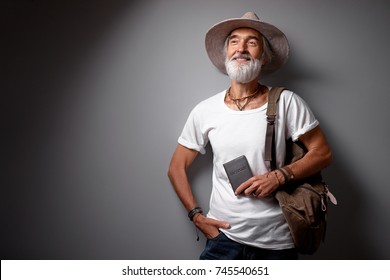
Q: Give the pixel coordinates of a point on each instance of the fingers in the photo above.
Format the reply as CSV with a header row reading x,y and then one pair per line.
x,y
244,186
217,223
221,224
249,187
211,222
210,227
260,193
257,186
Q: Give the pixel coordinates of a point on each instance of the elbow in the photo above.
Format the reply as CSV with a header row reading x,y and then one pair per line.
x,y
328,158
170,172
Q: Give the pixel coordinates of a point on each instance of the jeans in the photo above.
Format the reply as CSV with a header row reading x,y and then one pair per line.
x,y
223,248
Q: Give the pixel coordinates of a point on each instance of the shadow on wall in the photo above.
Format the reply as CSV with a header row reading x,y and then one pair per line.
x,y
347,234
345,237
45,45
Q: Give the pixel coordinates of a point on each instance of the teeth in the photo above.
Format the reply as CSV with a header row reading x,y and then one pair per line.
x,y
246,58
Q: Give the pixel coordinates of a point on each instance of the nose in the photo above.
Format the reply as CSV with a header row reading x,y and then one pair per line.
x,y
242,47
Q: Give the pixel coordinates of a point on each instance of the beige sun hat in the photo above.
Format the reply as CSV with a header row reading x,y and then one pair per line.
x,y
217,34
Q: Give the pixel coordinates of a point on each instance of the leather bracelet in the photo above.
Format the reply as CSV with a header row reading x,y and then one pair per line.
x,y
289,172
286,179
193,212
277,178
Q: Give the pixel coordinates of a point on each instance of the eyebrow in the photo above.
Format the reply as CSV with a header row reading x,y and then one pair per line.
x,y
245,37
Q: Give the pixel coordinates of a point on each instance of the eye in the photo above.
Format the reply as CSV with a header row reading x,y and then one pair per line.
x,y
233,42
252,43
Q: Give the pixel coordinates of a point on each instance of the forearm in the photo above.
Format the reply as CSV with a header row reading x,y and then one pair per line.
x,y
318,155
313,162
177,173
182,187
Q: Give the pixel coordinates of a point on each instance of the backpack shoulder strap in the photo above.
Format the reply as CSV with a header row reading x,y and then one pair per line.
x,y
273,98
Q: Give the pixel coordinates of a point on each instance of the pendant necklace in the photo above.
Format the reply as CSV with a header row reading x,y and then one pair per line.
x,y
248,98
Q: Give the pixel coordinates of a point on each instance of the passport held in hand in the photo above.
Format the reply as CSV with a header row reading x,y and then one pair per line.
x,y
238,171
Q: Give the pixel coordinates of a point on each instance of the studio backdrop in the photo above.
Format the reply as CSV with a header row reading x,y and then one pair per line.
x,y
96,93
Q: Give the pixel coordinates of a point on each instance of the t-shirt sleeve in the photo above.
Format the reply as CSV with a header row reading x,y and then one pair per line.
x,y
300,119
192,135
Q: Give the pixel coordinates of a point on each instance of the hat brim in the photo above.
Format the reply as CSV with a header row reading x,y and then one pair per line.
x,y
217,34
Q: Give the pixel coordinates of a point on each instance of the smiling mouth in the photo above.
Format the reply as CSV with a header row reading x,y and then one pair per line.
x,y
242,58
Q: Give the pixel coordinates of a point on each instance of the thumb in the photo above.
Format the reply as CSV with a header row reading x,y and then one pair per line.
x,y
221,224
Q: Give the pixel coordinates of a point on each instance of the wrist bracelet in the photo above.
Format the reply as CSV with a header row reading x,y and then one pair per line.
x,y
193,212
286,179
277,178
289,172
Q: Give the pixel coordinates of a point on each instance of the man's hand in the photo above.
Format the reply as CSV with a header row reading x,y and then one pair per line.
x,y
260,186
208,226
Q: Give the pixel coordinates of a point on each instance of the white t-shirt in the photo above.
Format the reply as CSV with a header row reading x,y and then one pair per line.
x,y
255,222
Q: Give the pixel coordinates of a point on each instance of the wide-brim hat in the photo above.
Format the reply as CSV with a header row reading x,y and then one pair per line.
x,y
217,34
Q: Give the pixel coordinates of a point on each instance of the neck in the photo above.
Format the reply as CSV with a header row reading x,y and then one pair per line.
x,y
239,90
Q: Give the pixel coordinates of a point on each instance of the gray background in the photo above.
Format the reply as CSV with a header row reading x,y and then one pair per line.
x,y
95,93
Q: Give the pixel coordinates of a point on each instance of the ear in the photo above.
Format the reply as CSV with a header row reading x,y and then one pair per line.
x,y
264,61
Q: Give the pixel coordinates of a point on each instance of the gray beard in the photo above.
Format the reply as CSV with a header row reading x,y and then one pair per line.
x,y
245,72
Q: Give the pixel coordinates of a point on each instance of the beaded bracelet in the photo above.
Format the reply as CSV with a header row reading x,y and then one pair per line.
x,y
277,178
193,212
